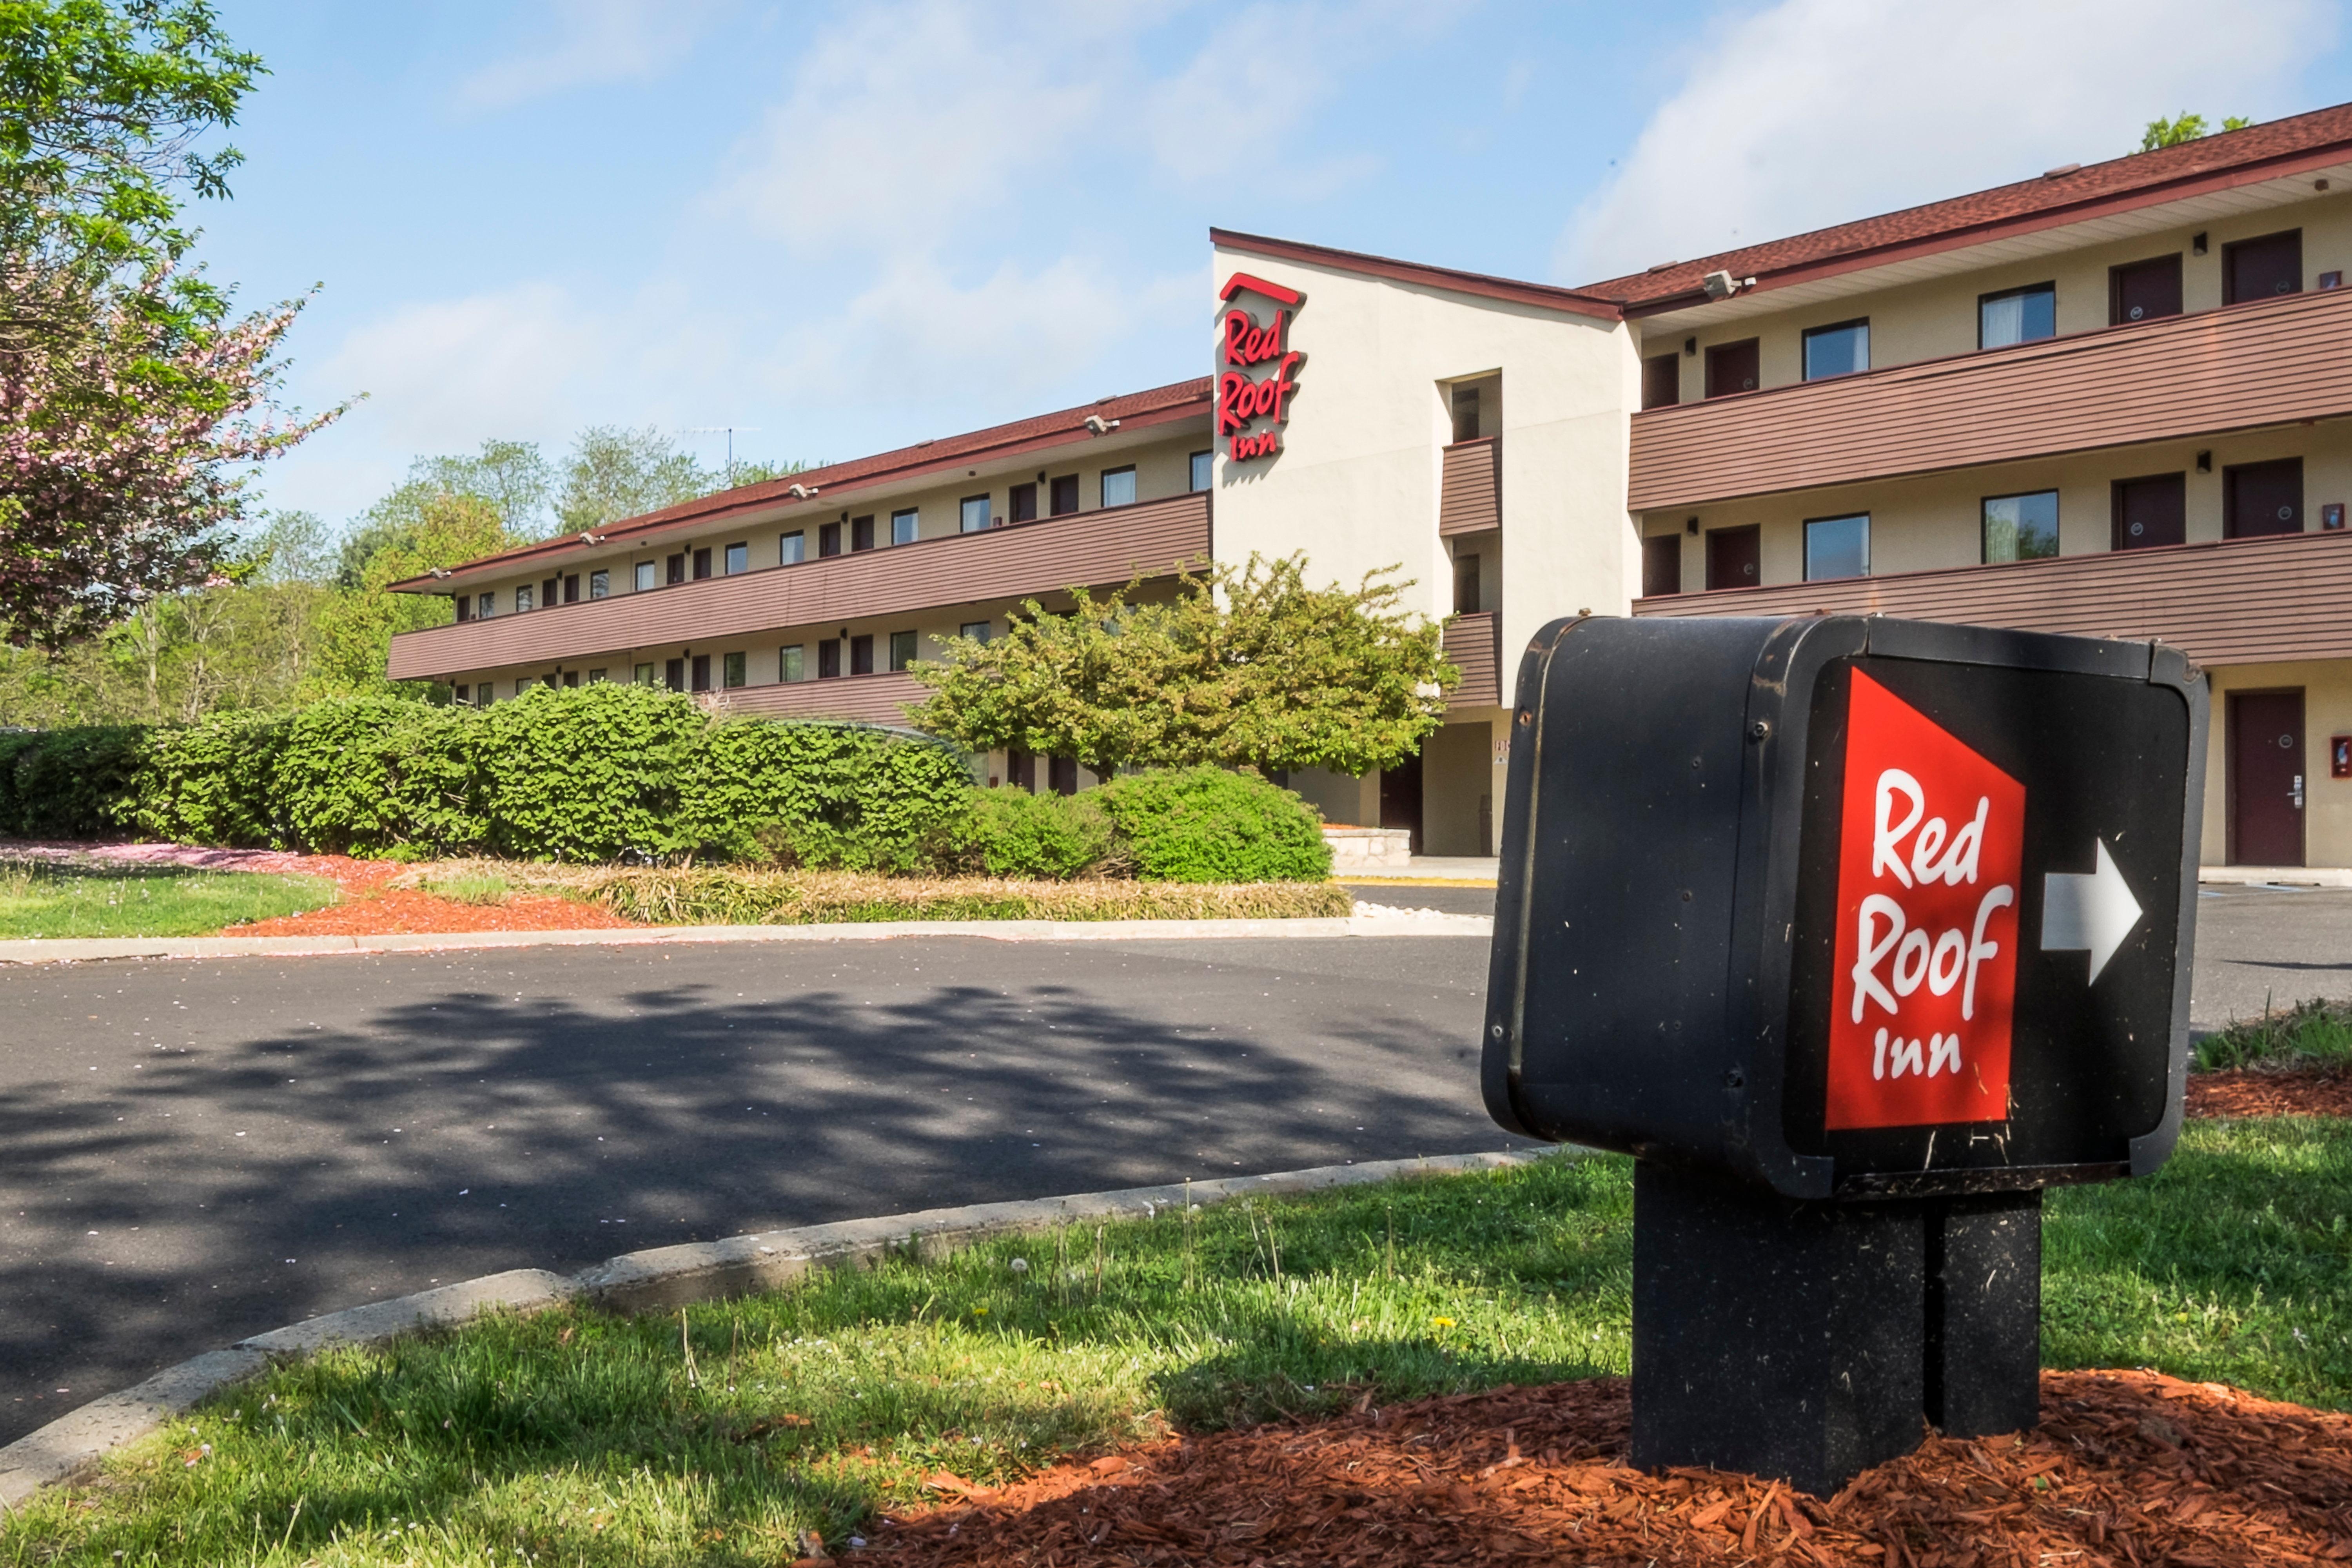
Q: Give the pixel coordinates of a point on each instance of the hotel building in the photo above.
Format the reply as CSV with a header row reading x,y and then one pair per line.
x,y
2113,399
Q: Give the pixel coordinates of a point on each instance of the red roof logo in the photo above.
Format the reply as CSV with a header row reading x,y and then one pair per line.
x,y
1929,846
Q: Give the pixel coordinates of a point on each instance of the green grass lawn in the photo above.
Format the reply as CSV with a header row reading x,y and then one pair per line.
x,y
578,1438
95,898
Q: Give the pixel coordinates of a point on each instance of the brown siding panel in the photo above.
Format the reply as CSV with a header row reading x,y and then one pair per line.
x,y
870,698
1088,548
1470,648
2271,363
2244,601
1471,497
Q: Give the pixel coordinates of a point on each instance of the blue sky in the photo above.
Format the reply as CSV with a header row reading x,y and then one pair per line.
x,y
852,226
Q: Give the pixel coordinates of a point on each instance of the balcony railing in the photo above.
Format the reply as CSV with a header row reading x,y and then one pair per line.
x,y
2243,600
1470,648
1086,548
872,699
1470,498
2273,362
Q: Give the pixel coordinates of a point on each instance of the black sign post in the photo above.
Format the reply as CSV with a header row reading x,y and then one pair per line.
x,y
1857,933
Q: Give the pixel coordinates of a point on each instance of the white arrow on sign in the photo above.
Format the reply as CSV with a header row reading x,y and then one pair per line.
x,y
2095,912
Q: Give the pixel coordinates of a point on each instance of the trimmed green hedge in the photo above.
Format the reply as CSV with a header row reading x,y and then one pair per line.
x,y
612,773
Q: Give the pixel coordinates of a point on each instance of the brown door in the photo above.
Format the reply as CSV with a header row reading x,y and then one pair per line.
x,y
1025,503
861,655
2261,498
1401,798
1662,564
1021,770
2150,511
1731,367
861,534
2144,289
2260,269
2267,778
1062,774
1062,496
1662,380
1735,557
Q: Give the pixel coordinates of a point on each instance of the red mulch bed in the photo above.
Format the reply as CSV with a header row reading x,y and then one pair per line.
x,y
372,907
2130,1469
2251,1091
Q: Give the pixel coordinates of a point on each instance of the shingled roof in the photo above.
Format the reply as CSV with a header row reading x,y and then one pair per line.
x,y
2230,158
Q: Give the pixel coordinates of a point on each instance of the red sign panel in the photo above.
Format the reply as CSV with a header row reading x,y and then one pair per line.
x,y
1929,844
1244,400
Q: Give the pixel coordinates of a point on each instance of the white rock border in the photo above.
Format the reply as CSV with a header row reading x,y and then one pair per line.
x,y
662,1278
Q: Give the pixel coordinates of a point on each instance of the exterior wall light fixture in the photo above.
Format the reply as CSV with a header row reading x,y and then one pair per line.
x,y
802,492
2197,243
1098,425
1691,526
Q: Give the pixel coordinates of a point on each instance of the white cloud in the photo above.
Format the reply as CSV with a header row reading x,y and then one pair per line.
x,y
439,373
594,41
1817,111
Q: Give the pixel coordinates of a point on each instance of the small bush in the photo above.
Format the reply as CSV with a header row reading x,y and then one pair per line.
x,y
214,781
368,775
2310,1033
1206,824
77,784
1012,833
594,772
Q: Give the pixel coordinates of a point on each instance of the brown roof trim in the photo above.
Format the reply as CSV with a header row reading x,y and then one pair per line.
x,y
1542,295
1166,404
2003,211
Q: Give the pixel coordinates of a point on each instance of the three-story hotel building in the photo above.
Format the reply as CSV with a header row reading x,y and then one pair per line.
x,y
2112,399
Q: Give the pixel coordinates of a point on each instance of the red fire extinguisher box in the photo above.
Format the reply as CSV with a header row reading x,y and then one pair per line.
x,y
1856,933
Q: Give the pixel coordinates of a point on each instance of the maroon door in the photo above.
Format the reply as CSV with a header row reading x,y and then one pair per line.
x,y
2263,497
1025,503
2150,511
1662,564
1064,494
2260,269
1735,557
2145,289
1662,380
1731,367
1401,798
2268,774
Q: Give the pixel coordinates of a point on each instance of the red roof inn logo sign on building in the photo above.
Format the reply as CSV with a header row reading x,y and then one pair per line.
x,y
1248,395
1927,936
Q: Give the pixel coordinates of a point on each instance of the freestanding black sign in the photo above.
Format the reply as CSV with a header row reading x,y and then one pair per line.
x,y
1857,933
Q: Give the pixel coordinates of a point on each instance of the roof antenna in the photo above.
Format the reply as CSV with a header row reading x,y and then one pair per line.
x,y
728,431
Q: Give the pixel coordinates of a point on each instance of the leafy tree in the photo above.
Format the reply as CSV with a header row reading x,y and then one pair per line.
x,y
1243,665
615,473
291,547
2186,127
510,475
358,624
756,472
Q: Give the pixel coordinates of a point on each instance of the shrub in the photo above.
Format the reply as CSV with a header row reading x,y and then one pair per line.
x,y
77,784
214,781
1012,833
593,773
366,775
822,794
1207,824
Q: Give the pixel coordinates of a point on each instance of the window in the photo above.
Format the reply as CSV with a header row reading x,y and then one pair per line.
x,y
1732,368
570,678
972,512
643,675
1465,414
2020,528
482,695
1837,547
861,534
828,659
702,672
792,662
1839,350
861,655
674,674
572,587
1465,585
600,585
465,695
905,526
645,575
1119,486
522,598
522,684
739,559
978,631
484,607
730,670
828,539
902,650
1662,380
2261,269
792,549
598,677
1662,564
1023,501
677,568
1204,471
2017,316
1064,494
702,563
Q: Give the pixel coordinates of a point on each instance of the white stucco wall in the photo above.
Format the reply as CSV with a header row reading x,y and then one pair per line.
x,y
1356,484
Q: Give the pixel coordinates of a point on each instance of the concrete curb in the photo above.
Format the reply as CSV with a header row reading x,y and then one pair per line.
x,y
663,1278
67,950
